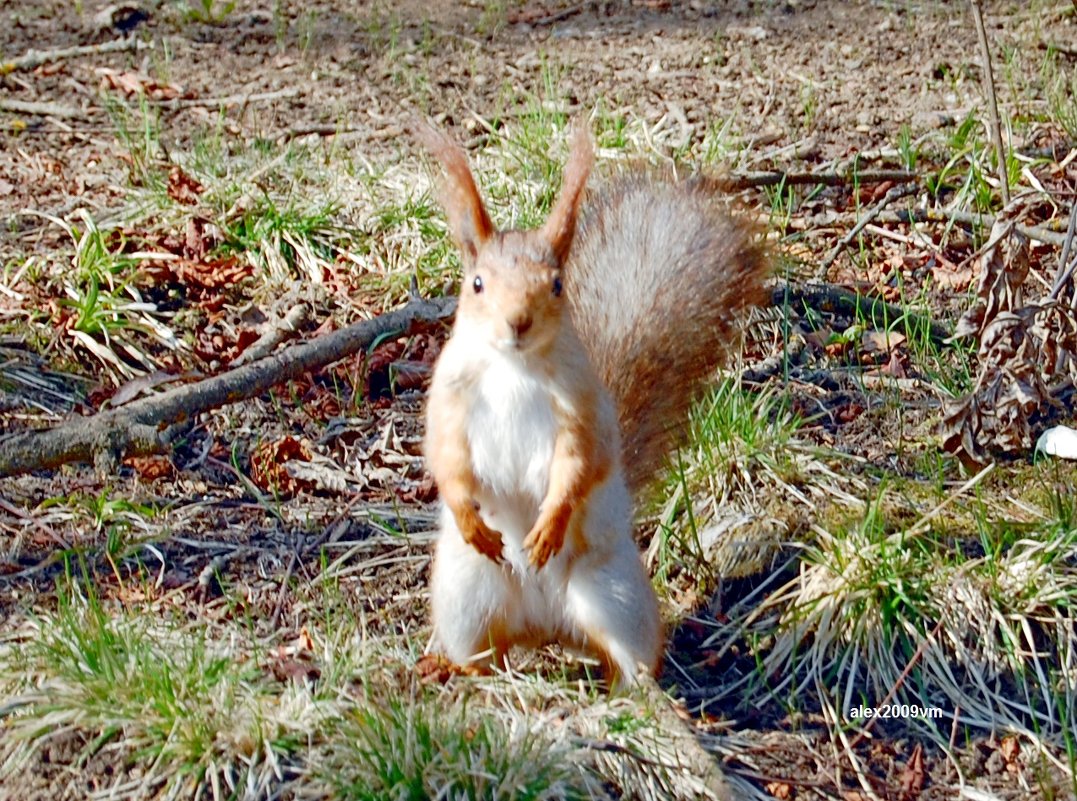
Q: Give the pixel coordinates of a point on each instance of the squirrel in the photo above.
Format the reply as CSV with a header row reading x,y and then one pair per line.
x,y
575,355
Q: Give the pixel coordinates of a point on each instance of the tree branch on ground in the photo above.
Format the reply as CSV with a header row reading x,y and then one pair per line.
x,y
35,58
992,102
899,191
146,426
749,180
1041,233
41,109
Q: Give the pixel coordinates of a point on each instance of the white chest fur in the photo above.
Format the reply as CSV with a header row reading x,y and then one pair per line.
x,y
511,431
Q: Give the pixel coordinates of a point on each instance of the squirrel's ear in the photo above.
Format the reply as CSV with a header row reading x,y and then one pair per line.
x,y
468,221
561,225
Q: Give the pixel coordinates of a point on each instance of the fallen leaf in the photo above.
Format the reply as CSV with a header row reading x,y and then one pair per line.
x,y
136,84
436,669
896,365
1010,747
151,468
267,466
780,790
952,278
912,776
881,342
182,188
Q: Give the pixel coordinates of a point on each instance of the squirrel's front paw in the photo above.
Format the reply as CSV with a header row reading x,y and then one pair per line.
x,y
481,537
547,537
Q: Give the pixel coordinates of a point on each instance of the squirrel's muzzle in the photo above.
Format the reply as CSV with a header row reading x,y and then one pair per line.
x,y
520,325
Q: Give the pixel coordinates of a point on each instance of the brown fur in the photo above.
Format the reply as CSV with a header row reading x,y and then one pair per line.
x,y
660,277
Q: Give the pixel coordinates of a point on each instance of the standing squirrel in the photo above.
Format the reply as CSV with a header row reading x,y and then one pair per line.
x,y
573,361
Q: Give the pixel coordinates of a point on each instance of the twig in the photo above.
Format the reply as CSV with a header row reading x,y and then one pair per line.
x,y
277,332
41,109
917,655
1065,269
748,180
835,300
923,524
901,190
1054,47
559,16
297,131
226,100
992,103
35,58
967,218
141,427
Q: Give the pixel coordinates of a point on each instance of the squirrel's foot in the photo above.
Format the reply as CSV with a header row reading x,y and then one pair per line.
x,y
437,669
547,536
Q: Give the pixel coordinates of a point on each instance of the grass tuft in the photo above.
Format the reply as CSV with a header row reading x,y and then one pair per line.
x,y
414,749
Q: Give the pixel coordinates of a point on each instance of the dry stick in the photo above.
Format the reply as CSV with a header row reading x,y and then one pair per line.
x,y
41,109
901,190
992,102
748,180
901,679
1065,269
968,218
225,100
276,333
141,427
559,16
35,58
915,531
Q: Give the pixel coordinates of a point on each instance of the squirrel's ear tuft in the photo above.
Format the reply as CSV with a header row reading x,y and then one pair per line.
x,y
561,225
469,223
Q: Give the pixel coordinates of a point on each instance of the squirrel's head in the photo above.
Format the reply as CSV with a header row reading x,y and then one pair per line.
x,y
511,292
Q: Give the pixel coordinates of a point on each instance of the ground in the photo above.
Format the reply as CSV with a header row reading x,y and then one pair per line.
x,y
209,623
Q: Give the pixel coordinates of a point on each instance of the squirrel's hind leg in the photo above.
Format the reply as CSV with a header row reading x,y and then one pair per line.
x,y
469,598
612,603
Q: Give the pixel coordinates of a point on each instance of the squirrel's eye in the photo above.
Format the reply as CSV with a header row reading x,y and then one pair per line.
x,y
477,284
557,287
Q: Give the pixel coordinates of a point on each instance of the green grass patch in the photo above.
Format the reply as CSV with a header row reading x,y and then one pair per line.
x,y
975,620
416,749
180,704
719,517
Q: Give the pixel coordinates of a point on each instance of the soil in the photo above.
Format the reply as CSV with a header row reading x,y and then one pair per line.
x,y
799,83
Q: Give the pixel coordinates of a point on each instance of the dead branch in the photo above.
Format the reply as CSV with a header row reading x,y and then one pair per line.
x,y
906,216
992,102
35,58
901,190
276,332
226,100
749,180
831,299
297,131
143,426
1065,267
41,109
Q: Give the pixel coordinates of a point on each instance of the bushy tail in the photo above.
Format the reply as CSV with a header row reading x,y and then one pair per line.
x,y
660,276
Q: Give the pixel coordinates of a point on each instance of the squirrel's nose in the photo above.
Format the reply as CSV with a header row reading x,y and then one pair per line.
x,y
521,325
